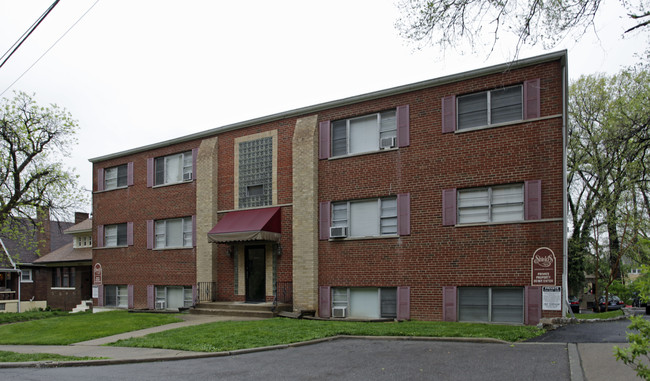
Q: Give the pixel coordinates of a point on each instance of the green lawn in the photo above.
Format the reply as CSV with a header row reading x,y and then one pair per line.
x,y
29,315
73,328
224,336
599,315
23,357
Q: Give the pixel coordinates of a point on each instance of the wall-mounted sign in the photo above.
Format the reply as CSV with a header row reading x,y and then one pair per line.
x,y
543,267
552,298
97,274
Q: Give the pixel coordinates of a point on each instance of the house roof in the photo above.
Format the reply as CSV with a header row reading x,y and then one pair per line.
x,y
66,253
85,226
560,55
23,253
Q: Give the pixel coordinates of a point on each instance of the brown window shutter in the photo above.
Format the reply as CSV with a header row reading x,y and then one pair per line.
x,y
324,301
403,139
532,99
449,114
449,207
449,303
324,140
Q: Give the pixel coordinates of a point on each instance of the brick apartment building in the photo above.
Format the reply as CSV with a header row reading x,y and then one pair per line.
x,y
438,200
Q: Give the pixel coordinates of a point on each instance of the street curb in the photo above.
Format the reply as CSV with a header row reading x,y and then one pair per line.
x,y
200,355
575,364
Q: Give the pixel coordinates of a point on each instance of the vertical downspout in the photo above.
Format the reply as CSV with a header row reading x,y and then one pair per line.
x,y
20,281
565,249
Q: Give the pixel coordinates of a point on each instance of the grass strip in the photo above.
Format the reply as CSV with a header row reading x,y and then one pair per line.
x,y
73,328
6,356
599,315
232,335
9,317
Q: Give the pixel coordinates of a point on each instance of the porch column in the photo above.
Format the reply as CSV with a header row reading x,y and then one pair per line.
x,y
206,210
305,214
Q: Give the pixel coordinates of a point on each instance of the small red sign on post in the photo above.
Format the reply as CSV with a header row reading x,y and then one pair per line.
x,y
97,274
543,267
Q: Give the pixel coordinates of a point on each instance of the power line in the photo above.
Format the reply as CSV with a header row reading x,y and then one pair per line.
x,y
50,48
29,31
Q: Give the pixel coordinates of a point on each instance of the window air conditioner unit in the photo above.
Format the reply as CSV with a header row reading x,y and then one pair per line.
x,y
187,176
338,231
389,142
339,312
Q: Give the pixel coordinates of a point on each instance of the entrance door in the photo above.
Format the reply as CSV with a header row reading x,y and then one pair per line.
x,y
255,274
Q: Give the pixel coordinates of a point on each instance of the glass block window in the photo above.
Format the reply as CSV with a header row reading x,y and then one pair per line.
x,y
256,173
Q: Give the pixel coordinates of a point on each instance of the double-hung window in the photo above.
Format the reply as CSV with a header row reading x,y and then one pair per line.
x,y
366,218
491,204
26,276
491,304
63,277
115,235
376,217
116,296
493,107
115,177
175,232
490,107
173,168
364,134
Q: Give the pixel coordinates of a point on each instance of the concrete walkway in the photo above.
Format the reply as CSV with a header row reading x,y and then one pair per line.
x,y
95,348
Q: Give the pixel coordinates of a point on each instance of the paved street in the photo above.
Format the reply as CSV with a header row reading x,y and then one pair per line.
x,y
345,359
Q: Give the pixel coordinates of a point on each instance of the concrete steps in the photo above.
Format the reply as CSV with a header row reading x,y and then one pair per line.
x,y
239,309
85,305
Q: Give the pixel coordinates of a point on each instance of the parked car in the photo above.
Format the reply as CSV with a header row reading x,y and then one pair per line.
x,y
636,300
614,303
575,304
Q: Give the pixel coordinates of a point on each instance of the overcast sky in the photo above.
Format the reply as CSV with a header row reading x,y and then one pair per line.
x,y
138,72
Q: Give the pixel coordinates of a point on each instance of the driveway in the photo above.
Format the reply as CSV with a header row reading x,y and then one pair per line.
x,y
343,359
595,343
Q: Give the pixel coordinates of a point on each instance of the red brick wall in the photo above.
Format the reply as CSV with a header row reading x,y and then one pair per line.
x,y
136,264
226,176
433,255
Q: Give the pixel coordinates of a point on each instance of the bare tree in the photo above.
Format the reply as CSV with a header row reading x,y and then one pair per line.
x,y
447,23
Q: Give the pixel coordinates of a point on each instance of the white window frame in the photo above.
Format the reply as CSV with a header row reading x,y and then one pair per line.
x,y
342,297
491,203
385,127
121,296
489,109
161,296
112,236
161,233
112,177
341,213
185,168
82,241
29,279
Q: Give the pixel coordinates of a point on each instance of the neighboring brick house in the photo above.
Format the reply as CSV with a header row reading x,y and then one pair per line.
x,y
64,275
439,200
24,252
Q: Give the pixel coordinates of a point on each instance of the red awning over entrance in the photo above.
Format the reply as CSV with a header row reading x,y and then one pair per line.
x,y
248,225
